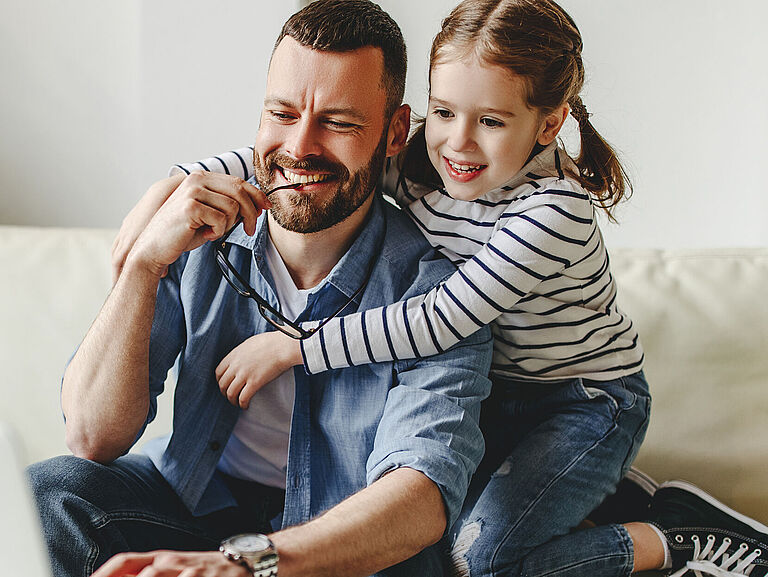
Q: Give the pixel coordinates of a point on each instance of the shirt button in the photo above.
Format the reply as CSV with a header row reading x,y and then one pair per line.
x,y
214,446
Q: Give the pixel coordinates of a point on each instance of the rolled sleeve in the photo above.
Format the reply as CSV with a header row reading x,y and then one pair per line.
x,y
430,421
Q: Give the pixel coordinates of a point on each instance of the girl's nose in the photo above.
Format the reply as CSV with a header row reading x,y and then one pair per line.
x,y
461,137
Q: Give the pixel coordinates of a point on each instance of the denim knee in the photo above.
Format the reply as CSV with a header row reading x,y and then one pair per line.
x,y
54,478
599,552
63,488
472,550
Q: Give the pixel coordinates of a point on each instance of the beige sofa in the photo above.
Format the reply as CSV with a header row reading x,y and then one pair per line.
x,y
701,315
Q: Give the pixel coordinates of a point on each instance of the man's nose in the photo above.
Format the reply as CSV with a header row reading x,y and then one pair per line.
x,y
461,137
304,140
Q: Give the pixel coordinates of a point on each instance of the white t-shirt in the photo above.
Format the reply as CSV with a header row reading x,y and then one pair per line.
x,y
258,448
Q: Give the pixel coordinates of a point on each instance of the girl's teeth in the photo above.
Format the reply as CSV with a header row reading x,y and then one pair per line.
x,y
465,167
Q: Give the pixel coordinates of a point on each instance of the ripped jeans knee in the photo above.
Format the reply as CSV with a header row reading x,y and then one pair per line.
x,y
467,556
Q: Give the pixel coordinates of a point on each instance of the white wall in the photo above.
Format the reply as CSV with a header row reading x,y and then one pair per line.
x,y
198,55
678,87
69,108
99,98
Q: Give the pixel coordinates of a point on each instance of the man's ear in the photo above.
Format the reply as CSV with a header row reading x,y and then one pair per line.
x,y
551,124
399,127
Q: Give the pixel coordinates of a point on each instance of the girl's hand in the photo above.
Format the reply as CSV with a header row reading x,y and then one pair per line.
x,y
254,363
138,218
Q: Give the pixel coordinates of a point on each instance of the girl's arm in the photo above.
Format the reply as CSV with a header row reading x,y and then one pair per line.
x,y
532,246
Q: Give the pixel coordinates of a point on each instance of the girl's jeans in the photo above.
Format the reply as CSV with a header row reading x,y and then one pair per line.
x,y
554,452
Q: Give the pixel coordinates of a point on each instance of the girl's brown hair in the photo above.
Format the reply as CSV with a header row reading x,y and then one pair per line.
x,y
539,41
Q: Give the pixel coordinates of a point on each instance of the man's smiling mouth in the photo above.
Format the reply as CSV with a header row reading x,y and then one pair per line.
x,y
295,178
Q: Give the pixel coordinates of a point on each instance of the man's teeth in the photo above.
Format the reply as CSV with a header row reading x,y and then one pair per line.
x,y
294,178
465,167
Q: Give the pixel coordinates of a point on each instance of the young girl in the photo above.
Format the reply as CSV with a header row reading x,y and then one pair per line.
x,y
489,186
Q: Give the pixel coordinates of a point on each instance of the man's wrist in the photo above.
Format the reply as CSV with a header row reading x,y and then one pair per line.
x,y
254,551
137,265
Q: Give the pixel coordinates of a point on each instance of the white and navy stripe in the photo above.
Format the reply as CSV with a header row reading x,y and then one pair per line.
x,y
235,162
532,263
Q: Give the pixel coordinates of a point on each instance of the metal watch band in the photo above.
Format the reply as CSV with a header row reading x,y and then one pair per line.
x,y
265,568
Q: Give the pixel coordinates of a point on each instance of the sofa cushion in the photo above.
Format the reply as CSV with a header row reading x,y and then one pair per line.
x,y
54,283
703,322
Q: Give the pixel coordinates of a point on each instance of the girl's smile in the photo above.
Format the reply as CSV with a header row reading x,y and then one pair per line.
x,y
479,129
463,171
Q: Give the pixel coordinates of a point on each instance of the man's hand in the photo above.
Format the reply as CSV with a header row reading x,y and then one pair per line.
x,y
171,564
255,362
202,208
137,219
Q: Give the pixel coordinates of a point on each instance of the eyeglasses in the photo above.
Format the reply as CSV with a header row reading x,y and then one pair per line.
x,y
270,313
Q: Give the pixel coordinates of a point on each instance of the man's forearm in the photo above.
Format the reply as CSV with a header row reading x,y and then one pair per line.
x,y
105,393
390,521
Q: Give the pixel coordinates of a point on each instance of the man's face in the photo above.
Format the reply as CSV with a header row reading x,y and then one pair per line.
x,y
322,124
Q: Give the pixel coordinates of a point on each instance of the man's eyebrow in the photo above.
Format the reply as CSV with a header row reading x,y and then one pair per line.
x,y
275,101
346,111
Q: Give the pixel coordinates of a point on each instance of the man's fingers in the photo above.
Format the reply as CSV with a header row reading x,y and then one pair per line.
x,y
170,564
195,203
201,213
249,198
125,564
257,195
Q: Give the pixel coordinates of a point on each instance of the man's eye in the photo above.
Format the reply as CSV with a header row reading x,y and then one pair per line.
x,y
282,116
491,122
337,125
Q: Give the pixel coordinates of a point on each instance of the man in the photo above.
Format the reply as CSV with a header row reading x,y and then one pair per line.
x,y
369,465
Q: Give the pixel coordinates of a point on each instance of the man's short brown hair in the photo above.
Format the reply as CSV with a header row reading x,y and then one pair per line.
x,y
345,25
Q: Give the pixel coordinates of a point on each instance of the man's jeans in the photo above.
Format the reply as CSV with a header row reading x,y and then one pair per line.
x,y
90,512
554,452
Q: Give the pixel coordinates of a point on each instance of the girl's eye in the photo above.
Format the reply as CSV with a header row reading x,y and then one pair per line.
x,y
491,122
442,113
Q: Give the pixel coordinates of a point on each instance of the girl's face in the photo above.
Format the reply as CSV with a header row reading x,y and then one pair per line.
x,y
479,129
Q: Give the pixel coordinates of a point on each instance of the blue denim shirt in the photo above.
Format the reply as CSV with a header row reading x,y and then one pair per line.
x,y
349,426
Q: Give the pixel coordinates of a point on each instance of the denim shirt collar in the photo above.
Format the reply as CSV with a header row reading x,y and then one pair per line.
x,y
352,269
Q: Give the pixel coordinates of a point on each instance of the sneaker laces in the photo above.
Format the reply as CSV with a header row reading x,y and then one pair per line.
x,y
705,560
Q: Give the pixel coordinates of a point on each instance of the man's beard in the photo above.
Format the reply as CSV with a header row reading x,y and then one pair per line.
x,y
307,212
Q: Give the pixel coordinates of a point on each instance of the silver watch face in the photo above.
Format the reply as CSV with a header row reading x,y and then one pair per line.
x,y
249,543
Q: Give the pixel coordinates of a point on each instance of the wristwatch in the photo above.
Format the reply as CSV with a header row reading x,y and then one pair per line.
x,y
253,551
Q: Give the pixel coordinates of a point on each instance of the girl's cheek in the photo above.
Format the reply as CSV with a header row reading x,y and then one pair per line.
x,y
432,140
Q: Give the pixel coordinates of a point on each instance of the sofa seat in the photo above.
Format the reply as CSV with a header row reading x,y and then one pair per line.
x,y
700,313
